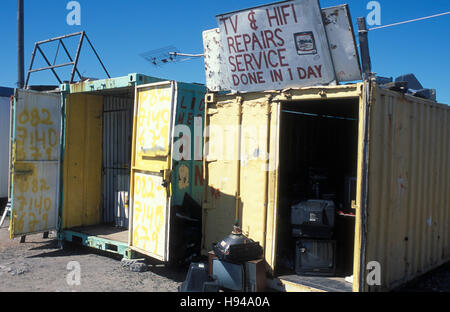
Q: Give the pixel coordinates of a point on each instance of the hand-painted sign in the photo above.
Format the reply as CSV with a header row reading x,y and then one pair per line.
x,y
341,42
276,46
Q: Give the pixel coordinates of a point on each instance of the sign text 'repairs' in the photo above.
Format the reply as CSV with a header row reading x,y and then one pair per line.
x,y
276,46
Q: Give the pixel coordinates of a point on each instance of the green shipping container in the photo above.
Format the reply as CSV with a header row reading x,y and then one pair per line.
x,y
105,162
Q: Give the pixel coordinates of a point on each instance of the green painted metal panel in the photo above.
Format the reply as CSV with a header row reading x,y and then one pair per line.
x,y
187,168
97,242
130,80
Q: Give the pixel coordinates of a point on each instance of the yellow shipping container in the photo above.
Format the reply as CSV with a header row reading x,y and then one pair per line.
x,y
395,147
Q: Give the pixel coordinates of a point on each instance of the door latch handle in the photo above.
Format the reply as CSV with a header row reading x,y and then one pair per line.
x,y
166,177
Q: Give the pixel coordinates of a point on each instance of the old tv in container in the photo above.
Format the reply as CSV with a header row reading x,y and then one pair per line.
x,y
313,218
315,257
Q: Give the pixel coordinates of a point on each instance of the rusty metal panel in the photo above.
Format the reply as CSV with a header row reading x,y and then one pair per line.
x,y
341,40
117,83
216,78
36,161
409,180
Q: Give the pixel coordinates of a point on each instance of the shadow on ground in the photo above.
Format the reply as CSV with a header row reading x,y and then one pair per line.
x,y
437,280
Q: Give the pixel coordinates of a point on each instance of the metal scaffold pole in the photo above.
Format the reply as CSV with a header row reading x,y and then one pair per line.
x,y
20,45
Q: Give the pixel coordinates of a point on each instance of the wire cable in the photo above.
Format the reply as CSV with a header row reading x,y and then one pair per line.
x,y
186,54
410,21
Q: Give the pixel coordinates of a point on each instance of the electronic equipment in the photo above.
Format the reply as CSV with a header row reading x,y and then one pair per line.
x,y
315,257
229,275
313,218
237,248
196,277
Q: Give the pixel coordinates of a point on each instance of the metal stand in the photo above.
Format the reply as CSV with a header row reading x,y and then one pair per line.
x,y
7,209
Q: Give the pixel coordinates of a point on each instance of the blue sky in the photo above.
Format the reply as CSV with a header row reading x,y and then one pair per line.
x,y
122,30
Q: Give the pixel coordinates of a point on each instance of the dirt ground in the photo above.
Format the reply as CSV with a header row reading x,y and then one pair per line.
x,y
38,265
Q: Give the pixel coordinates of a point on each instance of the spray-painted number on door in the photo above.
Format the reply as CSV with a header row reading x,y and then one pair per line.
x,y
153,122
35,162
149,213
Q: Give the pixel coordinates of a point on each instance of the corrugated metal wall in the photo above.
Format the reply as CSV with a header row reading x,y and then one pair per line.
x,y
117,133
221,176
409,181
228,178
82,160
4,145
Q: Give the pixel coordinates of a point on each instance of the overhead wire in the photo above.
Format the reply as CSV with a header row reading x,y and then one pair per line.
x,y
410,21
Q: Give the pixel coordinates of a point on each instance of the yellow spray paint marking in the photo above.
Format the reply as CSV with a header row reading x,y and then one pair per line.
x,y
22,201
34,178
153,121
32,222
36,135
148,218
19,222
44,186
33,199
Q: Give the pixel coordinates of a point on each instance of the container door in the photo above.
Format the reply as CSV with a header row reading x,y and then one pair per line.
x,y
35,162
151,169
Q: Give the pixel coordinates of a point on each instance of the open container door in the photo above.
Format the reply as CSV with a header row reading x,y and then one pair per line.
x,y
150,169
35,162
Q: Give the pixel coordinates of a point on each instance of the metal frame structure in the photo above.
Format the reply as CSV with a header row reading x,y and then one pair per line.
x,y
97,242
73,62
